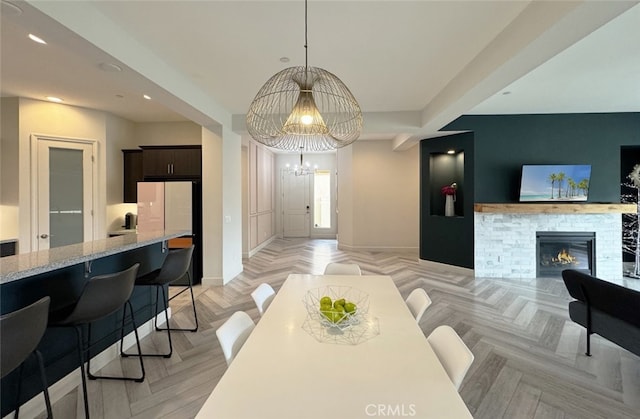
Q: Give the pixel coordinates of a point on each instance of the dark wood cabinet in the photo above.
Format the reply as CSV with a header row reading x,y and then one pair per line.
x,y
132,160
172,162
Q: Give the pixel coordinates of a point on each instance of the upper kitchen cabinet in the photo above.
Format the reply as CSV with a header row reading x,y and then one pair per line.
x,y
172,162
132,162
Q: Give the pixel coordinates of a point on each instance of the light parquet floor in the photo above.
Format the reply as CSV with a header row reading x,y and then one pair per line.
x,y
529,357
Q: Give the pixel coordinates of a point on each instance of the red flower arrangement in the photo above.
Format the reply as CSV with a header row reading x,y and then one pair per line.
x,y
449,189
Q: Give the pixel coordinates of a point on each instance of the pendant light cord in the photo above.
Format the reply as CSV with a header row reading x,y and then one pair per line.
x,y
306,51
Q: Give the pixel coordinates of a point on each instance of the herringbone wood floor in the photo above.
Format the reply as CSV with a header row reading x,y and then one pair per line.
x,y
529,360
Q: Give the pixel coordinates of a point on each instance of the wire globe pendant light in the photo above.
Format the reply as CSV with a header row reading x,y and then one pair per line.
x,y
304,108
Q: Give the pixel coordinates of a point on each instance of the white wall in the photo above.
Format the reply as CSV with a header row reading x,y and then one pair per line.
x,y
58,120
221,206
166,133
260,197
9,169
324,161
345,197
245,201
231,205
211,208
379,197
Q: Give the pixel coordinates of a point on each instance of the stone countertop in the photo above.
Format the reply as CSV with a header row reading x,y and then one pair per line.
x,y
123,231
20,266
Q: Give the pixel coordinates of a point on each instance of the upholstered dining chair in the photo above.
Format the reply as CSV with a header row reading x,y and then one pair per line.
x,y
454,355
335,268
418,302
233,333
262,296
20,334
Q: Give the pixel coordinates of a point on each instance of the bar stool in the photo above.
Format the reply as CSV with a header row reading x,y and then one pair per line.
x,y
102,296
20,334
174,267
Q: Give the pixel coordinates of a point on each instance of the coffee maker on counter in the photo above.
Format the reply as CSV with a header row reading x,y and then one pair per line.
x,y
130,221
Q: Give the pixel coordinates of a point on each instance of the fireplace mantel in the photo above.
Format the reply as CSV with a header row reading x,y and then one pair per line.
x,y
556,208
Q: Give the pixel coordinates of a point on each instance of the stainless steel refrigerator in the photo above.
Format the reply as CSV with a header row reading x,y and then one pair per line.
x,y
174,206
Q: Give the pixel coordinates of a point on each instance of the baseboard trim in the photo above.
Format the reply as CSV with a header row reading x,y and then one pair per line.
x,y
438,265
259,247
35,407
393,249
212,281
327,236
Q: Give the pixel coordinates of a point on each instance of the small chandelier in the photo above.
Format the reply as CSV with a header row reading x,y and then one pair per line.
x,y
303,169
304,108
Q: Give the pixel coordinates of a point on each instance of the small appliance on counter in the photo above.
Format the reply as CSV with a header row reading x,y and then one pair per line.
x,y
130,221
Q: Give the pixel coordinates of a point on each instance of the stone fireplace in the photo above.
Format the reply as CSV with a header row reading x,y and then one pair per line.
x,y
505,236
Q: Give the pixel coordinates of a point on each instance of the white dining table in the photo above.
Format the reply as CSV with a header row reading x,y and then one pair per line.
x,y
283,371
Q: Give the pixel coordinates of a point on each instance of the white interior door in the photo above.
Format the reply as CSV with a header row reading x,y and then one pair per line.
x,y
64,193
296,205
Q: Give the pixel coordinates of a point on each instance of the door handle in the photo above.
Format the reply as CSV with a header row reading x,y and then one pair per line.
x,y
44,236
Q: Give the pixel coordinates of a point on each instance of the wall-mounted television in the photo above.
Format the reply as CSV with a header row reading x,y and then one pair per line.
x,y
552,183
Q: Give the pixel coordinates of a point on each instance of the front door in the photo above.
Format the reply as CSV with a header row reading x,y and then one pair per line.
x,y
64,192
296,205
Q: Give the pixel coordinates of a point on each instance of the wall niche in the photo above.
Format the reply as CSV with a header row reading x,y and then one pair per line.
x,y
445,169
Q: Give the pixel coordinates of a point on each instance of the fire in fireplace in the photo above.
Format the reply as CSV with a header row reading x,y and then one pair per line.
x,y
558,250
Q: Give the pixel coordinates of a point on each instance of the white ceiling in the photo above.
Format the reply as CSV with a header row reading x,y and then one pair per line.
x,y
414,66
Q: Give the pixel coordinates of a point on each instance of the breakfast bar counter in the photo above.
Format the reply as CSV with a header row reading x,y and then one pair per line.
x,y
61,274
28,264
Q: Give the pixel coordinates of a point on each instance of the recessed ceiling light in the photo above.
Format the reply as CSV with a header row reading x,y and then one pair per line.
x,y
54,99
284,59
451,152
110,67
36,39
146,97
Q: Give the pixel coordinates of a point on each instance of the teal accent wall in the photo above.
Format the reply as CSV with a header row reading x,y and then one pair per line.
x,y
447,239
496,147
503,143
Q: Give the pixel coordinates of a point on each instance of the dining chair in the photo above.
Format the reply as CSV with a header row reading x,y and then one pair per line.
x,y
335,268
262,296
454,355
233,333
418,302
20,334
